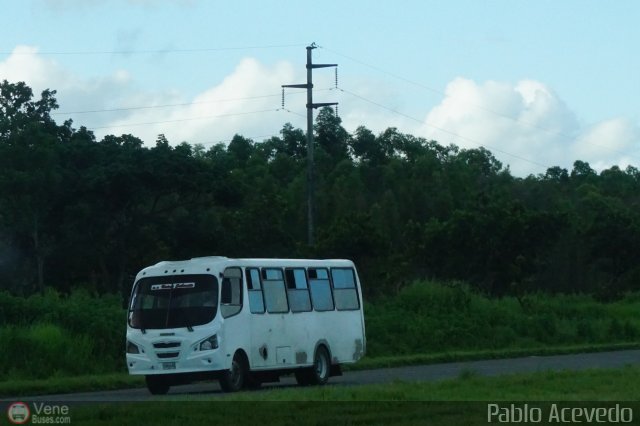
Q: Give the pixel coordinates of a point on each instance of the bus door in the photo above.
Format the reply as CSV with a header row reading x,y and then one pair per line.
x,y
235,322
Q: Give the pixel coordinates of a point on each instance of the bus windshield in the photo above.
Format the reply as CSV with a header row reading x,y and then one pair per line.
x,y
173,301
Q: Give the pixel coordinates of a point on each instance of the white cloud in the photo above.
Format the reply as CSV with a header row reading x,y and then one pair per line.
x,y
371,103
526,120
245,102
24,64
611,142
74,93
527,126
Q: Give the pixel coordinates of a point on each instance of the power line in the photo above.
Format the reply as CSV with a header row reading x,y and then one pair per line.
x,y
183,104
181,119
211,49
165,105
153,51
438,92
292,112
477,106
475,142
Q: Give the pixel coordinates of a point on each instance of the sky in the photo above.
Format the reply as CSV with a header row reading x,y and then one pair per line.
x,y
538,83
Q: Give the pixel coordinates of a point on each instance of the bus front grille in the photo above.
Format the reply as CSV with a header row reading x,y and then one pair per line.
x,y
166,345
167,354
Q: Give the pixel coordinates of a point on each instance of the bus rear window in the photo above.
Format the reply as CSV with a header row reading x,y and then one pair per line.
x,y
344,289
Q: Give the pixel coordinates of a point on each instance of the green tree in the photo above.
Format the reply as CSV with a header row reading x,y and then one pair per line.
x,y
31,178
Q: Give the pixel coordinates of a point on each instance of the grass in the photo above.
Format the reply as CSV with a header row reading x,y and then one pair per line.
x,y
621,384
52,335
368,363
59,385
459,401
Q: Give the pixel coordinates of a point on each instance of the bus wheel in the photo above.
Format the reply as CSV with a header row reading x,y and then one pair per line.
x,y
234,379
157,385
319,373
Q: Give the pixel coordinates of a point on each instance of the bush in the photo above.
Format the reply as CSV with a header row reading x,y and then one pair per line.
x,y
50,335
429,317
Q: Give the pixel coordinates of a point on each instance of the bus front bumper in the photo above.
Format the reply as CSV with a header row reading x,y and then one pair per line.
x,y
142,364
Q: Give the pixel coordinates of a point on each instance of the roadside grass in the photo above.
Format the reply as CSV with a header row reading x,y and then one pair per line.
x,y
88,383
620,384
463,400
61,385
368,363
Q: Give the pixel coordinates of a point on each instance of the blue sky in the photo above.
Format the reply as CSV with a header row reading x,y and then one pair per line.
x,y
540,83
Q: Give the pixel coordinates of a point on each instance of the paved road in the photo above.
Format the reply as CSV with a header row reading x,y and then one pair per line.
x,y
409,374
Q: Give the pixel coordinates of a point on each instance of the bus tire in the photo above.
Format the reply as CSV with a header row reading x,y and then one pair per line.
x,y
319,373
157,385
235,378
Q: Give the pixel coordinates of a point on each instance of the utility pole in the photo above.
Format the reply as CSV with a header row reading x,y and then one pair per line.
x,y
310,166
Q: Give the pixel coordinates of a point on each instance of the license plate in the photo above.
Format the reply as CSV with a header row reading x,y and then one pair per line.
x,y
168,365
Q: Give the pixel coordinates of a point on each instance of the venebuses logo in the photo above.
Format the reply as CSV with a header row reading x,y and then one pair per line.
x,y
18,413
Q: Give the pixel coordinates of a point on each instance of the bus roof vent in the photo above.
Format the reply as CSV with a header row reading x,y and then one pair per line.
x,y
209,258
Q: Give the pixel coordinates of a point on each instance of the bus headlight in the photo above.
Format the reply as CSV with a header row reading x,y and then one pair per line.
x,y
132,348
209,343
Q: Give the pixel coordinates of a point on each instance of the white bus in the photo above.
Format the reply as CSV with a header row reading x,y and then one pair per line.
x,y
244,321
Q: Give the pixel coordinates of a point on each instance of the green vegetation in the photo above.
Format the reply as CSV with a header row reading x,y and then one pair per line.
x,y
112,381
59,385
52,336
426,318
548,260
589,385
48,336
78,212
446,402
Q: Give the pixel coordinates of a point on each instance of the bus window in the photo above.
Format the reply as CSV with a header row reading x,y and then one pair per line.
x,y
275,295
320,289
231,292
344,289
297,290
256,299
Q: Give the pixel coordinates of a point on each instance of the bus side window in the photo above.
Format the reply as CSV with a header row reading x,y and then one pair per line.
x,y
275,295
231,292
344,289
256,299
297,289
320,289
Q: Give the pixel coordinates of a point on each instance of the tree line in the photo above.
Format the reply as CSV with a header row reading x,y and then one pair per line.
x,y
81,212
